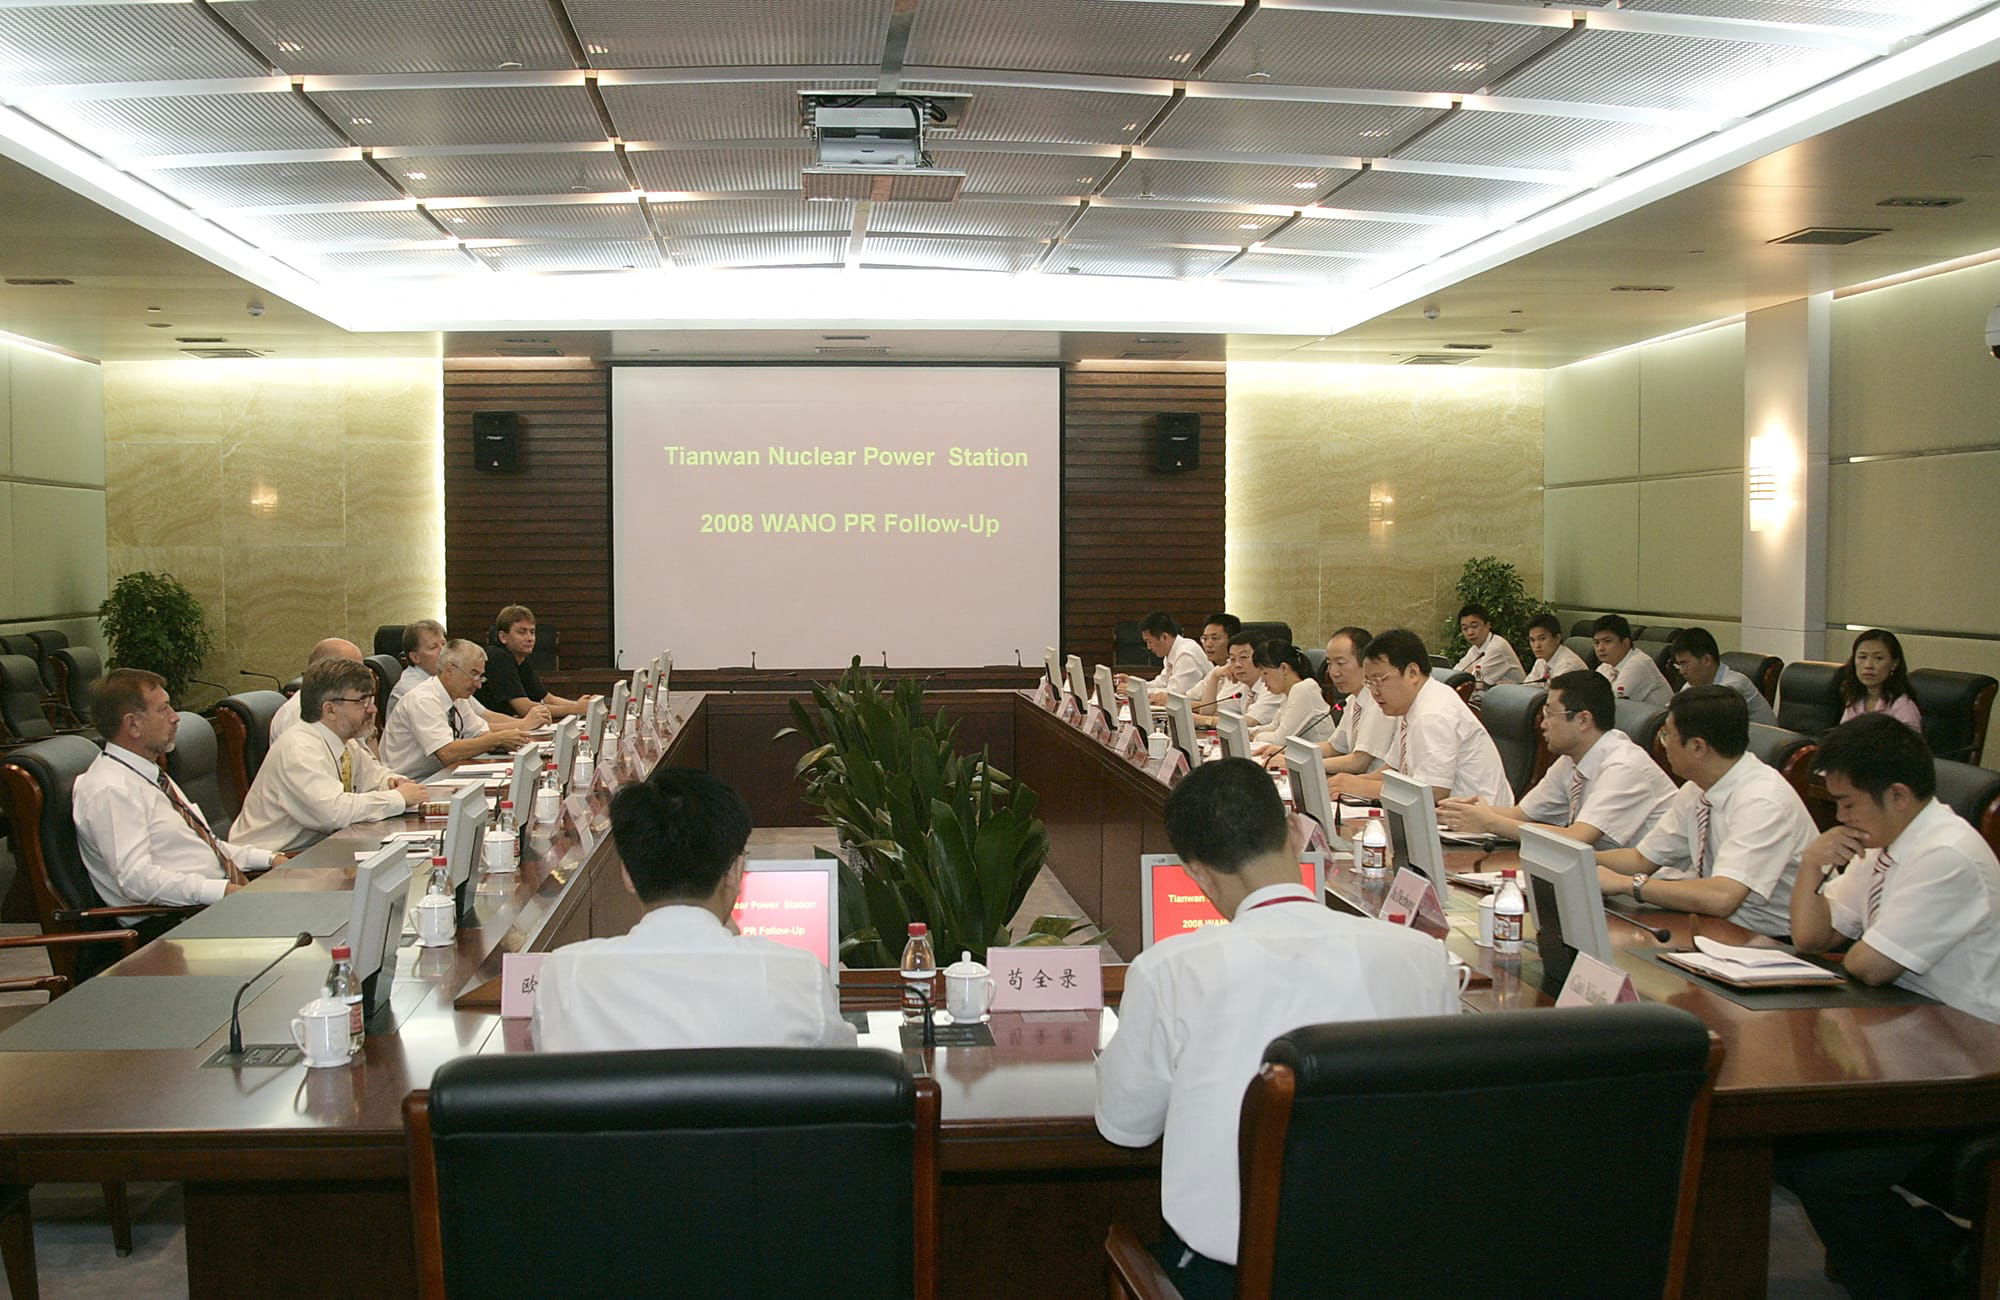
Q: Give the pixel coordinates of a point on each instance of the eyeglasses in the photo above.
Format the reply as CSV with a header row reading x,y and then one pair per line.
x,y
1375,683
350,699
1551,711
477,677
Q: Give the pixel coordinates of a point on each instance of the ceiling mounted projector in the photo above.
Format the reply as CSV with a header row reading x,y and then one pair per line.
x,y
870,148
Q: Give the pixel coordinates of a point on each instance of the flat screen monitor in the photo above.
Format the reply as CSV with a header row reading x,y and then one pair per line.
x,y
1107,693
1565,901
1170,903
1234,729
1142,705
1052,664
794,902
642,681
593,724
1180,727
464,827
375,921
528,760
663,672
1413,829
1079,686
621,691
566,748
1308,777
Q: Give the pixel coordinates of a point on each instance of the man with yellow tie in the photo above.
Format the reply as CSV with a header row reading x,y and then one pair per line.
x,y
318,778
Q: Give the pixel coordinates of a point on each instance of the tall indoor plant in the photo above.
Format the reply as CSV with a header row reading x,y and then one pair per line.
x,y
151,620
1496,584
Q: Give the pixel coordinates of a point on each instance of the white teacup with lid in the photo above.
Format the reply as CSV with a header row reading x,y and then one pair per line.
x,y
968,990
320,1031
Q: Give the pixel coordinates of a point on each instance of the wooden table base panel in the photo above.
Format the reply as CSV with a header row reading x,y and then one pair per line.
x,y
1730,1255
301,1240
1003,1236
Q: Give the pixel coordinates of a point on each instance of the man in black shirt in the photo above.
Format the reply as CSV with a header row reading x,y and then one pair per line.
x,y
512,685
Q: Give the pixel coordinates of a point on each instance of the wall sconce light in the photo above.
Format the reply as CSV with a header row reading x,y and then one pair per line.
x,y
264,500
1761,477
1381,506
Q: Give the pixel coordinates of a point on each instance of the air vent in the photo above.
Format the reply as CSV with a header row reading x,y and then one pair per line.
x,y
845,338
1433,359
37,282
527,352
1152,356
1156,338
1470,347
224,354
853,352
883,185
1828,235
179,340
527,340
1642,288
1918,201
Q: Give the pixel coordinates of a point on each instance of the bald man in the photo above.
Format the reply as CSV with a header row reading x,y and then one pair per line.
x,y
331,648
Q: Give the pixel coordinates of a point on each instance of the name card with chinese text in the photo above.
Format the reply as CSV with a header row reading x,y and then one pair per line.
x,y
520,975
1591,983
1045,695
1095,727
1055,978
1130,745
1069,712
1416,898
1171,767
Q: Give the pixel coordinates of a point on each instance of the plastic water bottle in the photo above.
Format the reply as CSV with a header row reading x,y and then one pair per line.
x,y
343,986
507,824
1508,907
583,766
661,701
920,974
648,716
440,877
1372,855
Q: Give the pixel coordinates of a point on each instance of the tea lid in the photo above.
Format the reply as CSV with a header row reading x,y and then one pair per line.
x,y
965,967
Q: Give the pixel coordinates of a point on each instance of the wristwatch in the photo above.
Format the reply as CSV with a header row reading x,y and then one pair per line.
x,y
1638,887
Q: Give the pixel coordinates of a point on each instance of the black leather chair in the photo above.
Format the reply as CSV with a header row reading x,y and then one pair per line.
x,y
76,668
547,654
20,643
708,1172
1974,794
389,640
1375,1113
1660,632
387,669
1641,721
1316,656
1761,669
1464,683
1585,649
195,763
21,699
1128,648
1663,659
1788,752
1268,630
47,641
1513,717
1808,697
1956,708
243,725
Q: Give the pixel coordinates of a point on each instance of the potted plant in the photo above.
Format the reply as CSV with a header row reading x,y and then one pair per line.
x,y
152,621
928,834
1496,584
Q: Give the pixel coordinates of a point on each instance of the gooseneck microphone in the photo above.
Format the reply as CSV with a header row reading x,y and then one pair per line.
x,y
236,1005
251,672
1661,933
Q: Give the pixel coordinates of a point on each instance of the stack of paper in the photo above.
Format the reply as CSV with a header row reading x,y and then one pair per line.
x,y
1738,965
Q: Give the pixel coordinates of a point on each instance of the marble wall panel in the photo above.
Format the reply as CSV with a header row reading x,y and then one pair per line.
x,y
1691,545
1910,543
57,417
59,556
164,494
1691,403
1592,411
8,603
1909,371
1356,493
1591,540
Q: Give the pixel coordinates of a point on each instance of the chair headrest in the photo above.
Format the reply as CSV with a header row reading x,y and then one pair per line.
x,y
54,765
1511,709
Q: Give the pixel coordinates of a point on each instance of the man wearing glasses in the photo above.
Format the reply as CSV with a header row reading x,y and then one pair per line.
x,y
332,647
438,723
1438,741
318,777
1602,789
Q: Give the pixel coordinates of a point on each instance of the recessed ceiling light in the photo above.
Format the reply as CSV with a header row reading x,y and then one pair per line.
x,y
1305,185
1250,225
152,309
456,220
1129,126
1182,57
509,65
1513,329
159,325
290,47
1257,74
1375,133
361,121
1085,180
416,176
596,49
1468,65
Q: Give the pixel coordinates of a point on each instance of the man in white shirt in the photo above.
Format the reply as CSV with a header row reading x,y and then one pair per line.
x,y
1729,843
423,640
1439,742
1183,665
439,723
1552,657
333,647
1918,906
1199,1008
1632,674
1489,657
1602,790
142,839
318,777
1366,735
1699,660
1236,683
681,977
1215,633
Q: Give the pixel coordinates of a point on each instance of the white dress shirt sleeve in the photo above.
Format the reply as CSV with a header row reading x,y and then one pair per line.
x,y
306,786
1303,704
1548,802
416,731
1621,802
1182,670
1666,845
115,824
1135,1071
1757,841
1930,904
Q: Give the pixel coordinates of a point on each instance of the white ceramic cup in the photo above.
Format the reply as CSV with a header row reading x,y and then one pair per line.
x,y
1486,921
1464,974
500,851
320,1031
436,923
1156,746
968,991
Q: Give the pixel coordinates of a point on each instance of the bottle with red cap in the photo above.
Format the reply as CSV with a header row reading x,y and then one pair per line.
x,y
342,986
920,974
1508,909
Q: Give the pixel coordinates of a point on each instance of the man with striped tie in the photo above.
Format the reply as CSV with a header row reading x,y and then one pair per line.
x,y
1918,905
319,777
142,839
1730,841
440,723
1602,789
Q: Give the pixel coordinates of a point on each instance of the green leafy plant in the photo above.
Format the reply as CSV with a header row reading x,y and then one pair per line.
x,y
928,834
152,621
1496,584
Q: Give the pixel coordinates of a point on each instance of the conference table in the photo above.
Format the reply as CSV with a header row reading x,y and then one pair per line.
x,y
296,1180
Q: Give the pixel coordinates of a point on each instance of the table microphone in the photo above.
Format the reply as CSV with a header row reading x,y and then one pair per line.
x,y
1661,933
236,1006
251,672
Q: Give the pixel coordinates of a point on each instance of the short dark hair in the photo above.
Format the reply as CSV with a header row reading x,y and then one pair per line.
x,y
1225,815
1584,691
1874,752
505,620
1278,652
1357,638
413,635
678,832
1546,622
1714,714
1244,638
1696,641
1476,610
117,693
329,678
1401,647
1898,683
1616,624
1229,623
1159,623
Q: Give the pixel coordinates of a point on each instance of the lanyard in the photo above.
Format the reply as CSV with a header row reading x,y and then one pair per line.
x,y
1273,902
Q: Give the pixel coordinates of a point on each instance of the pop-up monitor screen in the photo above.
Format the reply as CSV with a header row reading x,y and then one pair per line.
x,y
1234,730
1567,903
1180,727
1107,693
794,903
1413,830
1307,774
1171,903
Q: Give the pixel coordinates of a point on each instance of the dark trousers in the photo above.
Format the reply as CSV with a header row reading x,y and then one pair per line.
x,y
1878,1245
1200,1278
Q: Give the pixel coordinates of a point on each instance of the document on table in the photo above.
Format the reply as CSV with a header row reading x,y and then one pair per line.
x,y
1740,965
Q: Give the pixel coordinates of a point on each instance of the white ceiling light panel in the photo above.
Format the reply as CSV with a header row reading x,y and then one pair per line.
x,y
574,255
1464,198
1044,175
1143,263
330,229
1553,143
951,254
759,250
500,175
1016,113
727,33
1217,182
1280,127
992,220
1272,268
1133,39
43,45
481,115
177,124
1674,72
329,37
718,171
762,216
271,184
603,221
1375,51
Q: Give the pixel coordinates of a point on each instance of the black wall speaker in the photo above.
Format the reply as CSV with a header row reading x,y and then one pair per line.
x,y
496,440
1177,440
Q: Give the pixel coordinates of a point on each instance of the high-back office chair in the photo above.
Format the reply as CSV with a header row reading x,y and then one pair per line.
x,y
389,640
47,641
1642,722
1512,715
821,1161
547,655
1956,708
1376,1113
1128,648
1265,630
387,669
195,764
1974,794
1581,628
1788,753
243,725
1761,669
77,667
1464,683
21,699
1808,697
1585,649
1663,659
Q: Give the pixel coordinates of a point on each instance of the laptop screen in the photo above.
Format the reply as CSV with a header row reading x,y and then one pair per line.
x,y
1173,904
794,903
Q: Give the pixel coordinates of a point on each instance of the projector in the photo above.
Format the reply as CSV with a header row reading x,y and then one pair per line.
x,y
871,147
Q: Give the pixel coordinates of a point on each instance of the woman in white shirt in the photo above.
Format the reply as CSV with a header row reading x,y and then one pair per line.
x,y
1288,674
